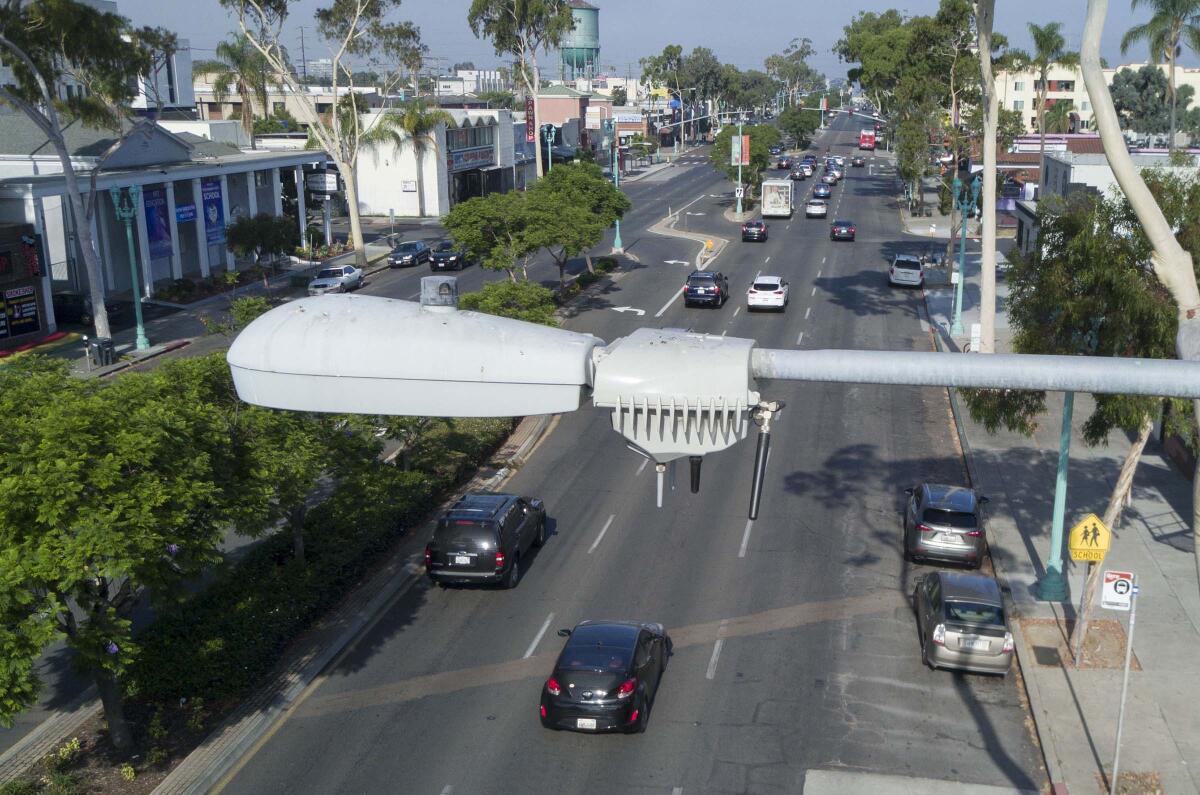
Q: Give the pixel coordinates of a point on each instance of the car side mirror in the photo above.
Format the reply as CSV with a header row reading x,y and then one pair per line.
x,y
564,633
909,492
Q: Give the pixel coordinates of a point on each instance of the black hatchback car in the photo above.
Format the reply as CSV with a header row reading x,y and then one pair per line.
x,y
841,230
445,255
706,287
754,231
606,677
482,537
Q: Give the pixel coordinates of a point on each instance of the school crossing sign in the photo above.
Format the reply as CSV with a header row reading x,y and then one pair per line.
x,y
1089,540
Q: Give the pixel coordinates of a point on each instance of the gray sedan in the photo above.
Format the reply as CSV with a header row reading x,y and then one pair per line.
x,y
341,279
961,622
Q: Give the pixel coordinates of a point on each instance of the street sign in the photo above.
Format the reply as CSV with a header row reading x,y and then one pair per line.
x,y
1089,540
739,193
1117,593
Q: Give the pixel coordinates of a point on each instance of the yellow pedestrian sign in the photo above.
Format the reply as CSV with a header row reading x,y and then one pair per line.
x,y
1089,540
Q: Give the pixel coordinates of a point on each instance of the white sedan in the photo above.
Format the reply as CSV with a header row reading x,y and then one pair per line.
x,y
340,279
767,292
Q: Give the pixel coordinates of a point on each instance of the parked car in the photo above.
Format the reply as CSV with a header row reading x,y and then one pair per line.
x,y
410,252
841,230
606,676
446,255
906,271
482,538
858,161
822,191
339,279
944,522
768,292
816,208
706,287
776,150
961,623
754,230
71,306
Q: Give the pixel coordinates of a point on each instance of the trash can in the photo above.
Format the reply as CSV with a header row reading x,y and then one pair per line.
x,y
100,350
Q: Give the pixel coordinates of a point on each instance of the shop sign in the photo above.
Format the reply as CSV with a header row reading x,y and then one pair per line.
x,y
19,312
471,158
530,127
185,212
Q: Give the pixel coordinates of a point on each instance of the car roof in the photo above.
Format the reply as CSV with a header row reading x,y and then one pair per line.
x,y
479,505
768,279
754,222
952,498
821,202
961,586
913,258
843,223
410,244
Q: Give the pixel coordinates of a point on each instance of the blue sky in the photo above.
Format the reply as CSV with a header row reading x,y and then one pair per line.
x,y
742,33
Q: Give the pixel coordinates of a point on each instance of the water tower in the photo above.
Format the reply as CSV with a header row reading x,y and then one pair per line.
x,y
581,47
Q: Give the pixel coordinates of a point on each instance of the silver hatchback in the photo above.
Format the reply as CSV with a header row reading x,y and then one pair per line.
x,y
943,523
961,623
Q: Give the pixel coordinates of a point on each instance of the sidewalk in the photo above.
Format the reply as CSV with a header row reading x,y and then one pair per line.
x,y
1076,710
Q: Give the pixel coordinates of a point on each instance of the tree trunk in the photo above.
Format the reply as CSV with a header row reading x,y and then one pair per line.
x,y
350,171
296,520
114,710
534,86
417,152
1171,89
1042,136
248,121
985,13
587,259
1112,515
1172,264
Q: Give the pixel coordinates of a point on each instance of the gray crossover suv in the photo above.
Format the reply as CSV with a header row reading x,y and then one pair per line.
x,y
943,523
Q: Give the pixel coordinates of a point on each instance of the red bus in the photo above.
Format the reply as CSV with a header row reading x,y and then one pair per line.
x,y
866,138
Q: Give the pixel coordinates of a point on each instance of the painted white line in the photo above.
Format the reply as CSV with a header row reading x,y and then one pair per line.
x,y
735,312
818,273
411,297
603,530
712,661
642,466
745,538
822,260
800,339
667,305
446,790
807,312
789,226
758,274
767,262
814,292
538,638
677,791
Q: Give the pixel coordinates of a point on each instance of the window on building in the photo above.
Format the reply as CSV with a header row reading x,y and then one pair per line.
x,y
1018,104
171,97
1062,85
1085,105
1018,85
1084,124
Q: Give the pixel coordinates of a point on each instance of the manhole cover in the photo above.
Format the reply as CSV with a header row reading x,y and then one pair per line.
x,y
1046,655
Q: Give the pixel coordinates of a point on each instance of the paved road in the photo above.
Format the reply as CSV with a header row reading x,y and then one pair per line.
x,y
794,646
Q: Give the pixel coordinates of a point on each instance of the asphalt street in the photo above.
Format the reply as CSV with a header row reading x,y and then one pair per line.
x,y
795,646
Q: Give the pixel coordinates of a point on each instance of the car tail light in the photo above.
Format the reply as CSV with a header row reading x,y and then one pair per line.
x,y
892,270
851,230
939,634
428,556
1008,642
552,687
924,528
626,689
499,560
779,292
542,710
974,533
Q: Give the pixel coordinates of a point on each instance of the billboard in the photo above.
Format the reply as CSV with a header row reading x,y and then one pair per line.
x,y
158,225
214,212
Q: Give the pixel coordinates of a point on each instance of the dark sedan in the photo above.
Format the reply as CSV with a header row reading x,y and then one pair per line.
x,y
841,230
784,162
445,255
858,161
798,174
75,307
754,231
606,677
412,252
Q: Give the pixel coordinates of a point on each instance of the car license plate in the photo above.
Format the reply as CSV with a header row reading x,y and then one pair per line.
x,y
585,723
973,644
462,560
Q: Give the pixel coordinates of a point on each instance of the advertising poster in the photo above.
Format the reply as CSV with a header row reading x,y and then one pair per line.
x,y
158,225
214,212
19,312
185,212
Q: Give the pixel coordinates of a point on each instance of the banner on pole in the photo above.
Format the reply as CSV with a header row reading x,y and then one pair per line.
x,y
745,150
530,132
735,150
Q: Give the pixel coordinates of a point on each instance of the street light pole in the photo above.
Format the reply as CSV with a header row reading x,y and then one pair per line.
x,y
125,204
618,246
1053,585
966,205
739,190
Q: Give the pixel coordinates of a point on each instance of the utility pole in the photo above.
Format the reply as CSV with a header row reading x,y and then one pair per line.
x,y
303,58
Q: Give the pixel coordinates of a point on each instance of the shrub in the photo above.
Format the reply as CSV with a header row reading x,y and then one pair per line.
x,y
519,300
605,264
587,278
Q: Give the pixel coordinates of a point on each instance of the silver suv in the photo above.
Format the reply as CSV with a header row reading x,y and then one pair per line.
x,y
943,523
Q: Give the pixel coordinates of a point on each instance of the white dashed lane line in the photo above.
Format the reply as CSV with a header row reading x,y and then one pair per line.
x,y
603,530
538,638
800,339
807,312
712,661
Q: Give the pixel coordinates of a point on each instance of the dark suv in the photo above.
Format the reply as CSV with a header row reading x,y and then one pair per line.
x,y
482,537
706,287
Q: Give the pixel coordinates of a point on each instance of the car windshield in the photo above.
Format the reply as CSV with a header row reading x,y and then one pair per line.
x,y
767,286
941,516
464,531
909,264
445,245
407,248
329,273
753,224
702,279
975,613
595,657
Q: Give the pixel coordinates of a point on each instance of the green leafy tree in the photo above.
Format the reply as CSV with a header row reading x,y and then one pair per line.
x,y
799,123
107,490
521,28
498,99
358,31
1058,117
1142,99
1049,50
44,41
791,68
522,300
494,230
702,72
411,128
879,46
264,235
1172,22
569,211
242,70
619,96
762,138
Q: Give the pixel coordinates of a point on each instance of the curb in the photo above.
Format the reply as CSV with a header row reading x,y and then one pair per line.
x,y
1024,654
48,735
208,765
168,347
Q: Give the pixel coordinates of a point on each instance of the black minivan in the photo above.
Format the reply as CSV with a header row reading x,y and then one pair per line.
x,y
482,538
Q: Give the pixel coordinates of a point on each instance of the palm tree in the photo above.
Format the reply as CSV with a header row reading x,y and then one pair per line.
x,y
1049,49
1058,117
411,127
242,68
1172,20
